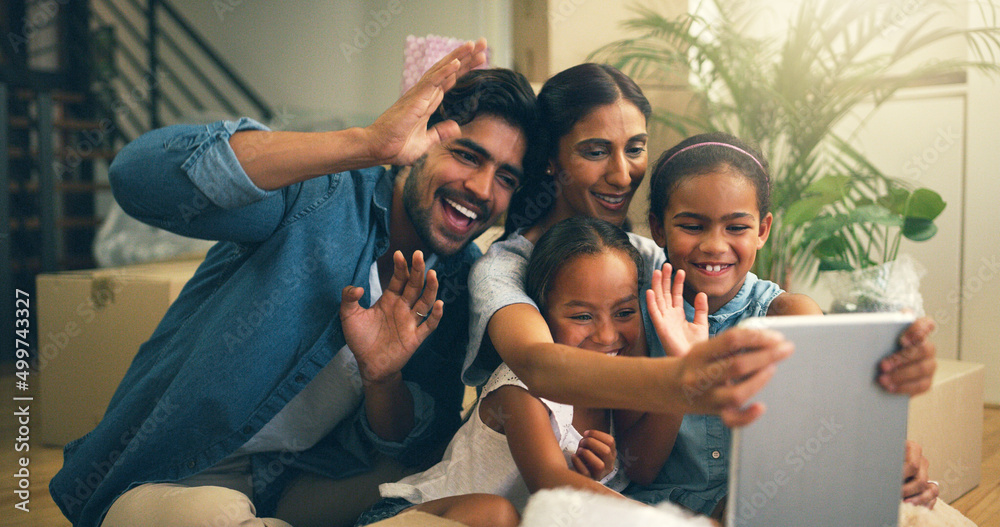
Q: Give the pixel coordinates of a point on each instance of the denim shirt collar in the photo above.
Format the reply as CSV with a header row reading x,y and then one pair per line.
x,y
381,205
734,308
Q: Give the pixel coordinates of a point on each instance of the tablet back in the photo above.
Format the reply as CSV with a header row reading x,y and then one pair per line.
x,y
829,449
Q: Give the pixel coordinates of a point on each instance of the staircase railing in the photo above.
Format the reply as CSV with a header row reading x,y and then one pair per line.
x,y
7,280
140,55
163,57
42,85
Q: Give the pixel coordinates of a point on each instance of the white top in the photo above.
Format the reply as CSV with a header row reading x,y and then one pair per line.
x,y
478,459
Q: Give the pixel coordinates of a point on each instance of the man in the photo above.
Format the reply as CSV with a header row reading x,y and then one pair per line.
x,y
244,394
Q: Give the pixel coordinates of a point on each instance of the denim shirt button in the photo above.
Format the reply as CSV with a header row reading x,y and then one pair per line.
x,y
246,430
191,464
716,454
300,378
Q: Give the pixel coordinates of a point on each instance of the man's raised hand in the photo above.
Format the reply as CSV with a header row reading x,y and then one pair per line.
x,y
385,336
400,135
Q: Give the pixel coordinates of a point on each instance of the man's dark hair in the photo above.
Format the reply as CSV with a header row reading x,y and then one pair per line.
x,y
499,92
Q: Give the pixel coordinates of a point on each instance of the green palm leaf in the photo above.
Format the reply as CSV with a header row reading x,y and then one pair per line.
x,y
788,94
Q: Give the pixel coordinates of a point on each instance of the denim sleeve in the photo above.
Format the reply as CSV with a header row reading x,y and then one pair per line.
x,y
423,417
187,180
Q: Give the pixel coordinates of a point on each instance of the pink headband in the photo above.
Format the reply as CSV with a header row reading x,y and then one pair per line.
x,y
727,145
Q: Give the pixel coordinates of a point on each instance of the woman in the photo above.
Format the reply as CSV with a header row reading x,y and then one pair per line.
x,y
596,159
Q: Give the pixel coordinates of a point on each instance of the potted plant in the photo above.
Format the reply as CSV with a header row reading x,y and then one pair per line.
x,y
833,208
855,237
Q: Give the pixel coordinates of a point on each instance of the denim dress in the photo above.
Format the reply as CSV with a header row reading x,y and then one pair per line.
x,y
696,473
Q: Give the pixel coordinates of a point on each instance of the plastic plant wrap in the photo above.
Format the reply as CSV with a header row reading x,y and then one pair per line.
x,y
892,286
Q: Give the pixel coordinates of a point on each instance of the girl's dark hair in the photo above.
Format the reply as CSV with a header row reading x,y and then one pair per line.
x,y
567,240
564,100
695,156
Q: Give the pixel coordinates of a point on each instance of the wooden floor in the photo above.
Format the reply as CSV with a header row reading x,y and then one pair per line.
x,y
981,505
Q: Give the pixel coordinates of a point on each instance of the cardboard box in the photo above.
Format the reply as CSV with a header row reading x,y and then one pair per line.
x,y
90,325
947,422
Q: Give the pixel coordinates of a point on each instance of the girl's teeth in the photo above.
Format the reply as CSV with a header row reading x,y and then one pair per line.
x,y
465,212
614,200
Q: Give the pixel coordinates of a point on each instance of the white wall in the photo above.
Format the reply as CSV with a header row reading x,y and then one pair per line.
x,y
979,295
463,19
320,59
288,51
945,138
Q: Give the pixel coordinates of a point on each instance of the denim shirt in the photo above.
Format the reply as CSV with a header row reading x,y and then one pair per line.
x,y
254,325
696,473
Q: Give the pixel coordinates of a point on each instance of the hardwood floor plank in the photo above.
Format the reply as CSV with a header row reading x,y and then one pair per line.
x,y
982,504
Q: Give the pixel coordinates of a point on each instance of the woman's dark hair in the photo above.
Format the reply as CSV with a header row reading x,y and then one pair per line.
x,y
564,100
702,154
567,240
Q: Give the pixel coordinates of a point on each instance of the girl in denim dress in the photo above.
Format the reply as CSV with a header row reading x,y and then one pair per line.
x,y
709,201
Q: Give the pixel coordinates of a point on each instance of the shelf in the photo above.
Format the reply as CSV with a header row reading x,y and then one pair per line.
x,y
66,97
33,265
61,124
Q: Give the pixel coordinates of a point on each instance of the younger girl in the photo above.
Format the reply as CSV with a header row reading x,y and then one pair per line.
x,y
583,275
709,199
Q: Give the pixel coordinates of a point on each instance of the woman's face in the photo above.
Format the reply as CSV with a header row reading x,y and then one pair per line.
x,y
600,163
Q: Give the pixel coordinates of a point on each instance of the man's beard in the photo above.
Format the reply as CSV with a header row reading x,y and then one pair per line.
x,y
420,217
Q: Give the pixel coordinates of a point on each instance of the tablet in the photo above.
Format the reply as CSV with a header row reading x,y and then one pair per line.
x,y
829,449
